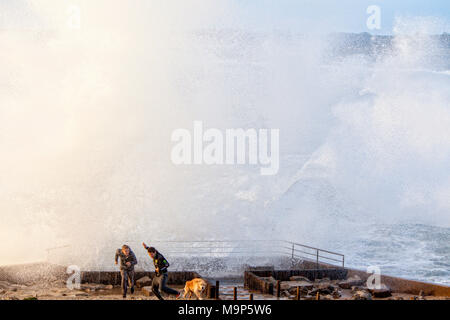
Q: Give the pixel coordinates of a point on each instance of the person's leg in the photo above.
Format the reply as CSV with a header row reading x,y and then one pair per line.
x,y
131,280
124,282
165,288
155,287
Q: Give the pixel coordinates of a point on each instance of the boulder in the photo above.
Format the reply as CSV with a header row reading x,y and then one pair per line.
x,y
147,291
358,288
143,282
362,295
299,278
382,292
292,285
323,289
351,282
336,294
303,290
323,280
285,293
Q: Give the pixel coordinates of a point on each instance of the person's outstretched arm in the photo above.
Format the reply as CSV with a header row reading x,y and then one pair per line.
x,y
117,256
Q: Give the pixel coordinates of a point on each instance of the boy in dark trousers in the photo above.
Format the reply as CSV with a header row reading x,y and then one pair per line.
x,y
160,280
127,262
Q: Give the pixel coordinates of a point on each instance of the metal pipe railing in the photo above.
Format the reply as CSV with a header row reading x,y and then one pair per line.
x,y
237,247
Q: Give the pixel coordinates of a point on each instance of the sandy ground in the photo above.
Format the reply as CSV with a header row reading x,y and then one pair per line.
x,y
58,291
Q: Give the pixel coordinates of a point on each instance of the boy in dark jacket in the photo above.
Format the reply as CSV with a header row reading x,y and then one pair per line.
x,y
160,280
127,262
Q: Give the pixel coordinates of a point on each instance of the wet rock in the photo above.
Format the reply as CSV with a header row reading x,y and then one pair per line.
x,y
336,294
299,278
147,291
143,282
109,287
358,288
91,287
82,294
323,289
292,285
351,282
285,293
382,292
303,290
362,295
323,280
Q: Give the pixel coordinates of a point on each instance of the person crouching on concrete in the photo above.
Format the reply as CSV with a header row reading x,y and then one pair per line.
x,y
160,280
127,262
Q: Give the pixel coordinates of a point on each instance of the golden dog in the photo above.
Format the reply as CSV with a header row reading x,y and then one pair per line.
x,y
196,286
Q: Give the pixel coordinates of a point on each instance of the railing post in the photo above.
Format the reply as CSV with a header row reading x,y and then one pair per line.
x,y
278,289
293,251
317,259
298,293
234,293
343,259
251,297
216,293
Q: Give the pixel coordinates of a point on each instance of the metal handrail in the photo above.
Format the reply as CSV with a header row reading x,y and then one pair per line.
x,y
214,247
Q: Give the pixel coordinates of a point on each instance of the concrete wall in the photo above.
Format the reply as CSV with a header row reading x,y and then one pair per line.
x,y
396,284
255,279
406,286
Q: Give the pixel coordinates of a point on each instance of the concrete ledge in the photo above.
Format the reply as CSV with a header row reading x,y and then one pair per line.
x,y
254,282
257,279
400,285
113,277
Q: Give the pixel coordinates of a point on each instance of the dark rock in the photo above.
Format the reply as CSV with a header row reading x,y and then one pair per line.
x,y
323,280
362,295
299,278
382,292
336,294
351,282
358,288
143,282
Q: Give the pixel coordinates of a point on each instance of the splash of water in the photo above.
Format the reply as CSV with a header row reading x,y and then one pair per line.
x,y
86,118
